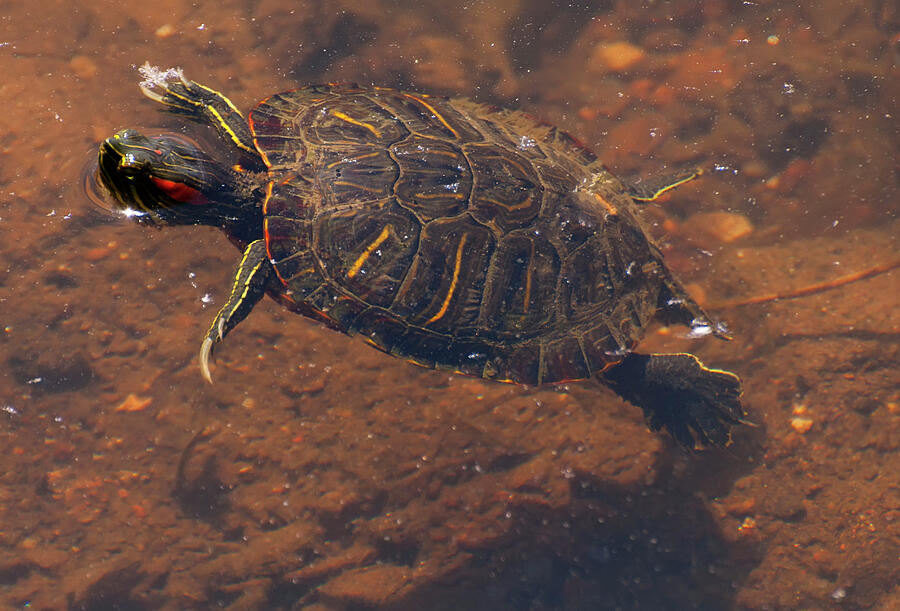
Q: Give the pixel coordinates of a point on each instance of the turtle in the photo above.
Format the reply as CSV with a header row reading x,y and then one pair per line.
x,y
450,233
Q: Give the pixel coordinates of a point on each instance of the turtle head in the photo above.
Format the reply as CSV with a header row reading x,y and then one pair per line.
x,y
167,180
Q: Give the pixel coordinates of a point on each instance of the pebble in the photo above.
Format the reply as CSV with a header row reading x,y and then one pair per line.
x,y
83,66
801,424
741,507
369,586
615,57
724,227
28,543
164,31
98,253
47,558
754,169
134,403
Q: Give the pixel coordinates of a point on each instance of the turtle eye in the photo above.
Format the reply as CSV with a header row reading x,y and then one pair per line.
x,y
132,165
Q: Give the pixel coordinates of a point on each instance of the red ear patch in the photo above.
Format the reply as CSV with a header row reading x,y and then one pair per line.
x,y
180,192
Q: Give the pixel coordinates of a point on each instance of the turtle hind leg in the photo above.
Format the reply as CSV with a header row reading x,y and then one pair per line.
x,y
697,405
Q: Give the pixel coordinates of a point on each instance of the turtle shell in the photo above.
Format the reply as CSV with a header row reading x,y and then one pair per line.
x,y
454,234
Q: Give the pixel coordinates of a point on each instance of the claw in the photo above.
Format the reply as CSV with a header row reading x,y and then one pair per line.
x,y
250,282
205,351
152,94
155,77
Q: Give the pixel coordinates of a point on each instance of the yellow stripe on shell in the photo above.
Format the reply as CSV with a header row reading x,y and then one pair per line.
x,y
351,120
528,272
440,196
357,265
434,112
355,158
446,304
347,183
419,363
496,202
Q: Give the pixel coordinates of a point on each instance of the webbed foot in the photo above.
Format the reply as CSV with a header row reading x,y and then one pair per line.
x,y
697,405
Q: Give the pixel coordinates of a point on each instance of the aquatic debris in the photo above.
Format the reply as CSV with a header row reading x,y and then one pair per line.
x,y
134,403
810,289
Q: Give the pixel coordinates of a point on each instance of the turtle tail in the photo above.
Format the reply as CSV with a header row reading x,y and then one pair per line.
x,y
677,307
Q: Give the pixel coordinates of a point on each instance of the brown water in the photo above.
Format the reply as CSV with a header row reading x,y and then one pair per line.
x,y
318,473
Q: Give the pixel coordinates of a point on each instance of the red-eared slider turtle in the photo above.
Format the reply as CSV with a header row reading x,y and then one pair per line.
x,y
449,233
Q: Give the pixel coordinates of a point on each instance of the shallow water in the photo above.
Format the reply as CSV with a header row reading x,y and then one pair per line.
x,y
317,472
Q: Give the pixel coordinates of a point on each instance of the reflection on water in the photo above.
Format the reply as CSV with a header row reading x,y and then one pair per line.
x,y
317,471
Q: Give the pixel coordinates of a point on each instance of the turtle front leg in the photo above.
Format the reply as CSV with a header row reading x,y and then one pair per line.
x,y
185,97
253,275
